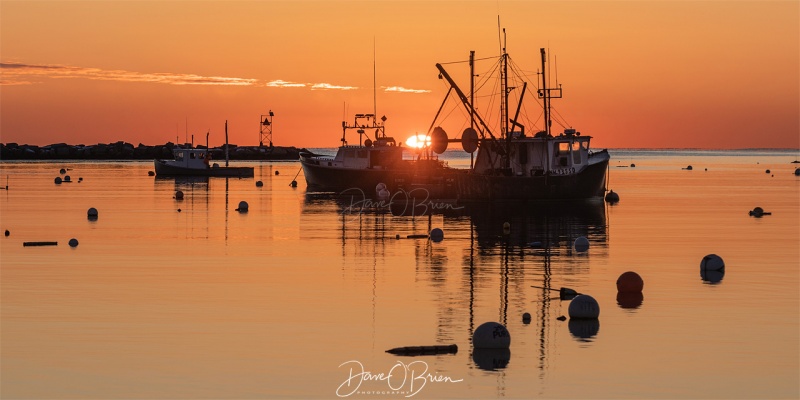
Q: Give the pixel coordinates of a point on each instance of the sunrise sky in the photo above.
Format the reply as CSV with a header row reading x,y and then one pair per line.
x,y
636,74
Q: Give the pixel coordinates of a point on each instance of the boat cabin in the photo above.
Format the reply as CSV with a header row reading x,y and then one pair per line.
x,y
191,158
565,154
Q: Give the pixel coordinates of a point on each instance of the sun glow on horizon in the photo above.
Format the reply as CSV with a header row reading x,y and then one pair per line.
x,y
419,141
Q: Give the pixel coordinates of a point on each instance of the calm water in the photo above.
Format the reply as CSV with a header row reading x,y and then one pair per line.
x,y
286,300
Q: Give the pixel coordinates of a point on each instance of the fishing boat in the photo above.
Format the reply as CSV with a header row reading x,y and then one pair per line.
x,y
376,163
512,165
197,162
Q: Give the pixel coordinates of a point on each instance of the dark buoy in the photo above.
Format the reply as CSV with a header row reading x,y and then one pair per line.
x,y
767,171
151,173
243,207
80,179
584,306
259,184
759,212
630,282
612,197
294,184
179,195
179,210
712,262
437,235
797,172
92,214
277,172
73,242
689,168
562,318
581,244
633,165
58,180
67,178
62,171
7,232
526,318
491,335
506,228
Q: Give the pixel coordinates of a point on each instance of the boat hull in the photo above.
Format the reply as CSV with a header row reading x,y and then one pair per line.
x,y
412,179
588,183
165,169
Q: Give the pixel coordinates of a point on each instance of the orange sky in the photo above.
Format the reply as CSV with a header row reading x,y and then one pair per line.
x,y
675,74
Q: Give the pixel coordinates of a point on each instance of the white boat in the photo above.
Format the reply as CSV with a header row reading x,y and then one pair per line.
x,y
197,162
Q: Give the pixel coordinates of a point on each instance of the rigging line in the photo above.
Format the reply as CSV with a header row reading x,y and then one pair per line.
x,y
467,61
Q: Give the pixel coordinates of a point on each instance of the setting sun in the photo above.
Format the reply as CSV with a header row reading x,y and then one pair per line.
x,y
418,141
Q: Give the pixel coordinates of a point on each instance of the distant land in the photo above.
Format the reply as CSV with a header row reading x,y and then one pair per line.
x,y
126,151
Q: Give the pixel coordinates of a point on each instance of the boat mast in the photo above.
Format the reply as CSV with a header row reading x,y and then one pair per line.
x,y
471,101
546,94
226,143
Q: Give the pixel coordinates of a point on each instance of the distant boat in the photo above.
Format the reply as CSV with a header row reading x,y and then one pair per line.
x,y
514,166
374,162
197,162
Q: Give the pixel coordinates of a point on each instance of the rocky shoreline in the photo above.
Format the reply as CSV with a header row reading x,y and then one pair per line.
x,y
126,151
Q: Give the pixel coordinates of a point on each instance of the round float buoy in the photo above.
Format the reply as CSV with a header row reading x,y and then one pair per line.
x,y
689,168
92,213
179,210
437,235
506,228
383,194
797,172
259,184
7,232
581,244
151,173
584,306
526,318
73,242
277,172
58,180
491,335
80,179
243,206
380,187
67,178
62,171
633,165
178,195
612,197
767,171
757,212
397,236
712,262
630,282
293,184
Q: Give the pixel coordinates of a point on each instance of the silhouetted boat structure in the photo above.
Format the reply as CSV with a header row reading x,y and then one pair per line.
x,y
197,162
513,166
374,161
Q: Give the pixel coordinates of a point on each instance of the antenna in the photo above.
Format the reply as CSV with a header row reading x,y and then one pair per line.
x,y
374,80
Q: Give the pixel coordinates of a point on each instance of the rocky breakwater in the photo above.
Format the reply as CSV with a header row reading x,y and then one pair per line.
x,y
127,151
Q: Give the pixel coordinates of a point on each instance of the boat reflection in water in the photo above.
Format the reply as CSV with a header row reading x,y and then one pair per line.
x,y
496,267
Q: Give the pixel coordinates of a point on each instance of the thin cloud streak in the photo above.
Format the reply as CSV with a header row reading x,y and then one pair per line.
x,y
16,72
23,74
401,89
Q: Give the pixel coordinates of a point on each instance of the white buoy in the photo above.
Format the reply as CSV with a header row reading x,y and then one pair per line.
x,y
243,206
712,262
259,184
92,213
491,335
506,228
380,187
179,195
581,244
384,194
584,306
73,242
58,180
437,235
